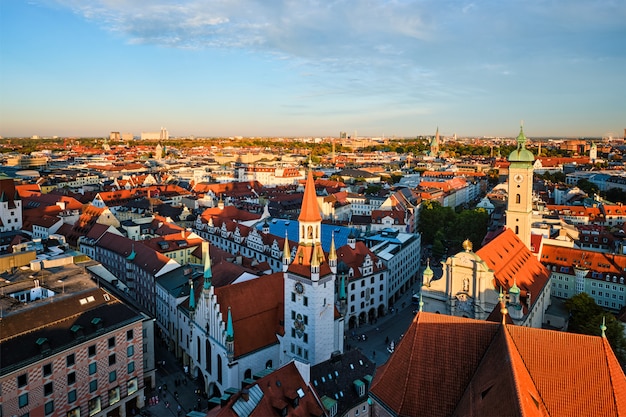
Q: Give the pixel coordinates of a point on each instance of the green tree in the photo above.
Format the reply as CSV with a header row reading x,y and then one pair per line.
x,y
587,186
586,317
615,195
433,218
469,224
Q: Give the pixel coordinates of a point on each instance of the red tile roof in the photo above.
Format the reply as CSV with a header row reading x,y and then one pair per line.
x,y
448,365
310,211
255,324
512,262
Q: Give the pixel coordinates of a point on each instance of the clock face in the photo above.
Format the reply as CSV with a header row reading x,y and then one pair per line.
x,y
299,287
518,178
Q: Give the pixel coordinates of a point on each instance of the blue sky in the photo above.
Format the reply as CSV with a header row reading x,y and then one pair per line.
x,y
313,67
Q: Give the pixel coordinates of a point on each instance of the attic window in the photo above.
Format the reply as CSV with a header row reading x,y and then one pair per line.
x,y
485,392
300,392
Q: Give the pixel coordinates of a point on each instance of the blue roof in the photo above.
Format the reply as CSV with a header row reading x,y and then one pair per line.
x,y
279,226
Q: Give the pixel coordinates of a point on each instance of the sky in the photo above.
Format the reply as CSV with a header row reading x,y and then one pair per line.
x,y
273,68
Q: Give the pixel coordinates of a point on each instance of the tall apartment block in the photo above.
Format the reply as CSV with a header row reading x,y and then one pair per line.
x,y
70,350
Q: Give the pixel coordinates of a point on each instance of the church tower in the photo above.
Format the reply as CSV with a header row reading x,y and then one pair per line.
x,y
593,153
434,144
519,207
311,334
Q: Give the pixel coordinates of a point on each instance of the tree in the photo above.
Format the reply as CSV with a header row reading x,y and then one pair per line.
x,y
587,186
433,218
615,195
472,225
586,317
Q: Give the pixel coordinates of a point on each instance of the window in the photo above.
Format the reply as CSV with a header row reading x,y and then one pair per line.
x,y
22,400
71,396
305,301
129,335
71,378
132,386
93,385
112,376
131,367
130,350
94,406
47,369
70,360
114,395
112,359
111,342
22,380
91,350
49,407
47,389
93,368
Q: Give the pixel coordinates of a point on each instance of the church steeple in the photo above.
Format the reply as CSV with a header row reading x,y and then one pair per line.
x,y
332,254
208,275
520,182
230,337
310,211
309,226
192,296
286,254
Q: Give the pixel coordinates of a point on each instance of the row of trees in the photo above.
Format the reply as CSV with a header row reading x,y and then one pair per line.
x,y
446,229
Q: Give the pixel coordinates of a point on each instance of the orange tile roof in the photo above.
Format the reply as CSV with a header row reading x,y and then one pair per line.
x,y
448,365
603,263
310,211
512,262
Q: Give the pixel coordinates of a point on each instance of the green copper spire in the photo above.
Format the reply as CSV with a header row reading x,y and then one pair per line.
x,y
421,303
230,332
521,138
132,254
427,275
521,154
192,298
514,289
208,275
603,327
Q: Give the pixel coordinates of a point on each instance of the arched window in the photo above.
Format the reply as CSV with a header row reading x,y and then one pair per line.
x,y
518,198
247,374
310,232
219,369
199,352
207,352
268,364
517,230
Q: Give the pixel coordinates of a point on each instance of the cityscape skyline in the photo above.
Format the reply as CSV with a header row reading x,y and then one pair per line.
x,y
372,69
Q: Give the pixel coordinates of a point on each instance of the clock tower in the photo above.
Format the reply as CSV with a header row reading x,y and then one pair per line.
x,y
311,331
519,207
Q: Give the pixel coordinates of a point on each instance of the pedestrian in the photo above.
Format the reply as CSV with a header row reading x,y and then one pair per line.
x,y
387,340
159,389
